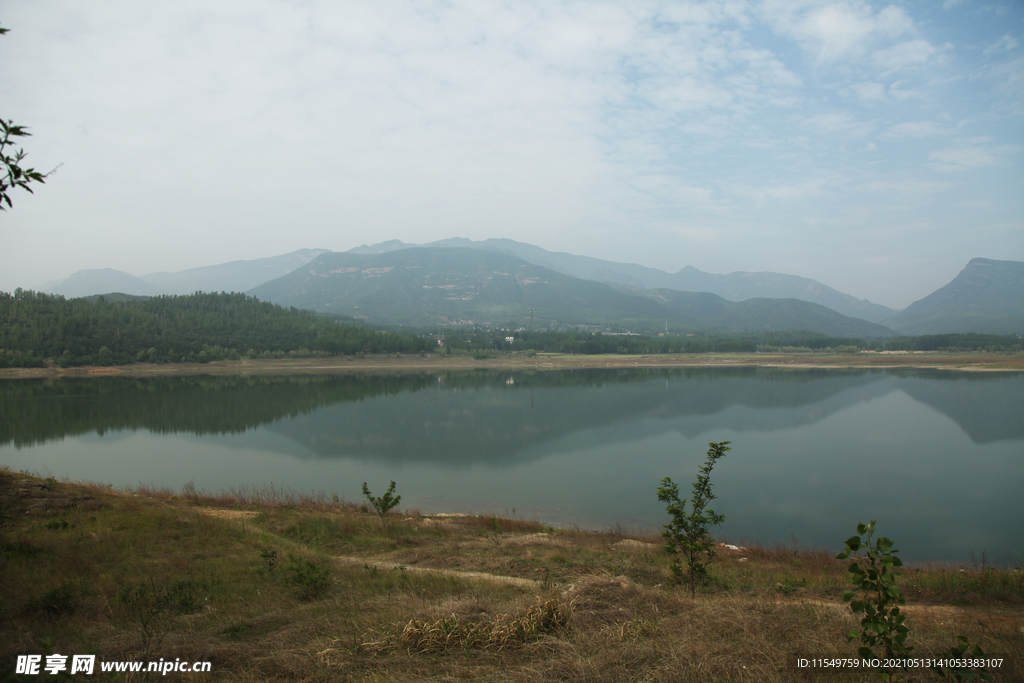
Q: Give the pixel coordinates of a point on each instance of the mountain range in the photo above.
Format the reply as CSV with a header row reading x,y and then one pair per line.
x,y
235,276
436,286
987,296
738,286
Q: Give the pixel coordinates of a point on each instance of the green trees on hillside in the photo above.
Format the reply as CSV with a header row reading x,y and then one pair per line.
x,y
195,328
953,342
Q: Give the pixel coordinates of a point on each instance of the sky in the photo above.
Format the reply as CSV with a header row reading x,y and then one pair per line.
x,y
873,146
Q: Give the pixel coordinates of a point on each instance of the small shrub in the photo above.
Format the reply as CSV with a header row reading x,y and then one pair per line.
x,y
269,556
964,651
688,534
59,601
384,504
883,624
310,581
19,549
154,607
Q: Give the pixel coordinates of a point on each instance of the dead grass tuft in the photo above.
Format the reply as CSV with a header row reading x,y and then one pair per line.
x,y
467,633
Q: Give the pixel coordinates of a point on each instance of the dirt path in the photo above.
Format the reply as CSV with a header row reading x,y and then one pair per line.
x,y
349,560
528,584
994,618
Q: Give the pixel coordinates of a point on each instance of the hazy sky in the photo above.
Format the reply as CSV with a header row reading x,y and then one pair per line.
x,y
873,146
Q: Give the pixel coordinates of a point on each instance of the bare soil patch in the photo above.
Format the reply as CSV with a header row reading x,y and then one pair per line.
x,y
974,362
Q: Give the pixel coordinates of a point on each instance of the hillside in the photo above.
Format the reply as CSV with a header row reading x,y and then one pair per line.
x,y
428,287
236,276
737,286
35,327
766,315
986,297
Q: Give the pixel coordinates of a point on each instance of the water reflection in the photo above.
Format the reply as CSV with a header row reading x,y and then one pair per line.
x,y
488,414
937,456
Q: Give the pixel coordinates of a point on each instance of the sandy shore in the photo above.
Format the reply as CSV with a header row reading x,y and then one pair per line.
x,y
982,362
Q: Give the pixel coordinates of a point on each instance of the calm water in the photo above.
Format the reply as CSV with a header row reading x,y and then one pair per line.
x,y
936,457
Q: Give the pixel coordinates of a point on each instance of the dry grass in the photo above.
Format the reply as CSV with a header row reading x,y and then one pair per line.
x,y
478,632
224,578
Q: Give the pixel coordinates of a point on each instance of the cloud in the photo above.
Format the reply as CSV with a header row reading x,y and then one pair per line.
x,y
831,31
1004,44
916,129
839,122
970,157
904,55
867,91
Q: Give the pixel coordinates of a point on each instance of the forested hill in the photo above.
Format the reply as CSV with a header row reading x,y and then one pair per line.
x,y
196,328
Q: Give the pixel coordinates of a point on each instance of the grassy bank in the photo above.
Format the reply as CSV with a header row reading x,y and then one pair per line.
x,y
973,361
273,586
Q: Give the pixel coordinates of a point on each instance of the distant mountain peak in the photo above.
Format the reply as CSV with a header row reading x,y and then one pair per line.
x,y
987,296
986,262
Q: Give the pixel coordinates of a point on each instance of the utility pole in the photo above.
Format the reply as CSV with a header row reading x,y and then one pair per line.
x,y
531,319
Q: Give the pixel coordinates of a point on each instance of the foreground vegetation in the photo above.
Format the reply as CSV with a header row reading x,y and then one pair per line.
x,y
270,585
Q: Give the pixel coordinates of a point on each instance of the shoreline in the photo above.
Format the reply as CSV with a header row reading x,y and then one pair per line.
x,y
325,590
965,362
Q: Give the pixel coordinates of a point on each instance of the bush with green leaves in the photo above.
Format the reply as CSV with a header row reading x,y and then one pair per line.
x,y
269,556
964,651
384,504
688,534
874,575
884,626
155,606
309,580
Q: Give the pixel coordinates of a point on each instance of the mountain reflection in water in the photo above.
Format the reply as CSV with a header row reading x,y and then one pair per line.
x,y
582,446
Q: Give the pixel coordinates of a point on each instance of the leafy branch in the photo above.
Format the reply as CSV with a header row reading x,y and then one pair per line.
x,y
13,174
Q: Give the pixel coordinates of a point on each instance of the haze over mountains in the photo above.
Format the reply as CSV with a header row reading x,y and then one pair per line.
x,y
734,286
235,276
436,286
497,281
987,296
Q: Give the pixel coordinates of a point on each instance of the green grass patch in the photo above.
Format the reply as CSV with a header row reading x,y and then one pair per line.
x,y
317,592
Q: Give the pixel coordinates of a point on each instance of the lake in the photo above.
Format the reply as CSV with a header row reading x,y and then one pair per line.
x,y
936,457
